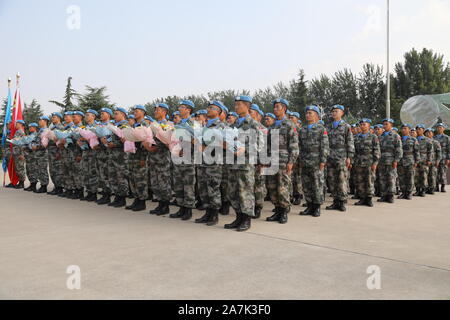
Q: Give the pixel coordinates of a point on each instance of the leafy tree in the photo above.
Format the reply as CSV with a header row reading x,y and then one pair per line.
x,y
298,93
95,98
32,112
70,94
372,92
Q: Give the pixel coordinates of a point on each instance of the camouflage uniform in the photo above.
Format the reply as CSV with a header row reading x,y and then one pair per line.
x,y
260,180
314,149
138,172
89,168
17,152
117,164
102,156
341,148
241,179
41,157
31,161
296,175
391,151
411,156
367,154
426,155
280,183
55,160
67,163
444,141
77,165
433,168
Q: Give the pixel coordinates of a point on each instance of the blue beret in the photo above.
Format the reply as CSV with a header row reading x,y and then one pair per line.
x,y
255,107
295,114
218,104
234,114
338,106
130,116
176,113
45,118
162,105
187,103
281,100
313,108
21,121
140,107
395,129
92,111
149,118
202,111
57,114
122,110
243,98
33,124
440,124
107,110
379,126
68,113
372,127
321,122
420,126
406,125
429,129
389,120
80,113
366,120
271,115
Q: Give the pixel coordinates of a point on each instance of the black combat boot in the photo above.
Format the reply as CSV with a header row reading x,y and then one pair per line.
x,y
76,194
213,218
42,189
283,216
81,194
382,199
341,206
71,194
368,202
20,185
422,193
417,193
390,198
309,209
297,201
112,204
140,206
165,209
54,192
157,209
236,222
443,188
10,185
257,213
430,190
402,195
437,188
131,206
245,223
408,196
32,187
187,214
178,214
275,216
334,206
204,218
225,209
91,197
315,210
106,199
200,206
59,191
361,202
121,202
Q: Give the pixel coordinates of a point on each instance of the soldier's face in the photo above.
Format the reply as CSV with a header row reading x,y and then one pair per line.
x,y
337,114
311,116
68,119
387,126
440,130
42,123
241,107
77,118
131,121
231,119
364,127
419,131
176,119
90,117
119,116
184,111
406,131
269,121
413,133
429,134
32,129
254,114
139,114
55,119
160,113
104,116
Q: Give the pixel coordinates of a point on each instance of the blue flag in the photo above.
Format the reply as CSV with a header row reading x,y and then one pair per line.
x,y
5,128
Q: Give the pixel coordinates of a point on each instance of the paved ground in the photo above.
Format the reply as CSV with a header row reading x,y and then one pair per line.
x,y
126,255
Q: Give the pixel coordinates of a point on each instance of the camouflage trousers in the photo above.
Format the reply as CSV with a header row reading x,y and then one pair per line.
x,y
296,181
78,170
442,173
209,181
241,195
388,176
139,172
337,177
421,176
117,170
260,188
184,177
279,186
224,184
406,178
432,176
67,169
364,180
161,177
89,170
102,170
313,181
19,167
31,167
55,166
42,166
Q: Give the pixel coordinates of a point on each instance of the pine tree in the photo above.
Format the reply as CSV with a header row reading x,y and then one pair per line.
x,y
32,112
70,94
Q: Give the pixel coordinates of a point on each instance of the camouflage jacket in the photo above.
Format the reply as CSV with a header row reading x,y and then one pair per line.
x,y
313,145
17,150
253,145
426,149
161,156
218,126
367,150
411,152
391,148
288,146
437,151
444,140
187,145
118,144
341,143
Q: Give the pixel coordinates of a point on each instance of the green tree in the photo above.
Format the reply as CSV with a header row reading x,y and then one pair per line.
x,y
70,94
371,92
298,93
94,98
32,112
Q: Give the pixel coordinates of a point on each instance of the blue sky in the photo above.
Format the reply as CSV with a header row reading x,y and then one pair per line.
x,y
142,49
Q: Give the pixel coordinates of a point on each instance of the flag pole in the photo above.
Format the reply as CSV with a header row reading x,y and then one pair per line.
x,y
388,77
6,124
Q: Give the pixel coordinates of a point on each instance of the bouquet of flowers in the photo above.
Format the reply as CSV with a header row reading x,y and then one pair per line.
x,y
90,136
63,134
164,133
45,137
128,146
22,141
231,138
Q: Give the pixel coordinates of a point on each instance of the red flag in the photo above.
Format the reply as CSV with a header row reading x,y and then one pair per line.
x,y
16,114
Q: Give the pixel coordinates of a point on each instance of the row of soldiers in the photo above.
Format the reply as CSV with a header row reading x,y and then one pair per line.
x,y
336,158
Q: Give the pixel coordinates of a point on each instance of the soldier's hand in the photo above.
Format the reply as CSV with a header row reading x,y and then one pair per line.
x,y
111,145
58,156
437,164
289,168
322,166
348,163
34,148
142,163
240,151
21,158
153,149
429,163
374,167
77,158
448,162
123,140
394,165
103,140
